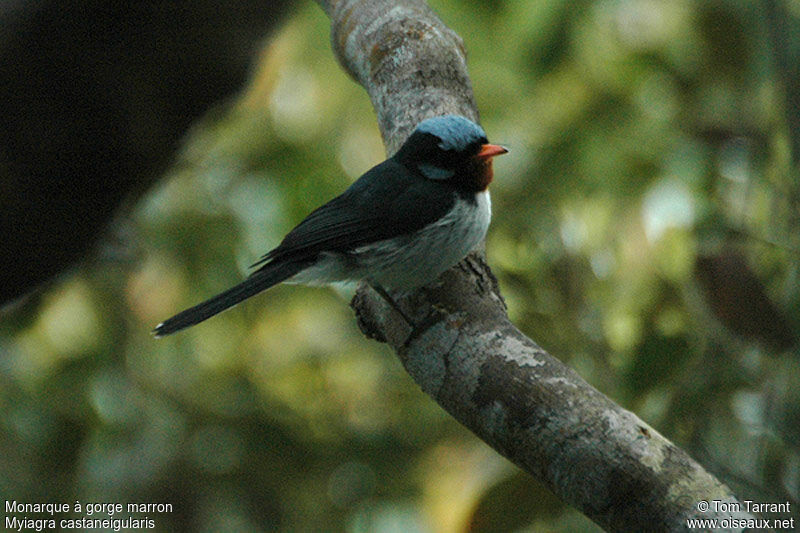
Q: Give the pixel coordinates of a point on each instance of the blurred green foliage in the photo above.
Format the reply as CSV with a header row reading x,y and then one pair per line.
x,y
644,134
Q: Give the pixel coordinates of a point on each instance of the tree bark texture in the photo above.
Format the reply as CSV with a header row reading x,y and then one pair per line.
x,y
462,349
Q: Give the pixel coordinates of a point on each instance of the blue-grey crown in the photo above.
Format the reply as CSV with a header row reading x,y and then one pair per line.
x,y
455,131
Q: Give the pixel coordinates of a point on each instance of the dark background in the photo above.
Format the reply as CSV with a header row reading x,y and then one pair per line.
x,y
646,231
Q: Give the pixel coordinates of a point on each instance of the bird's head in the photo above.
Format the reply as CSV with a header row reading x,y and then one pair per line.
x,y
451,148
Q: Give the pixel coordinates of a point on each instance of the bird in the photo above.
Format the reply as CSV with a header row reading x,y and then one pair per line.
x,y
397,227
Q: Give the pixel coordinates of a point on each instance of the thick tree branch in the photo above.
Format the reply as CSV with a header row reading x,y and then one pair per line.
x,y
464,351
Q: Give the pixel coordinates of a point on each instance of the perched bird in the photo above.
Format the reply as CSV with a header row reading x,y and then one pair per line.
x,y
399,226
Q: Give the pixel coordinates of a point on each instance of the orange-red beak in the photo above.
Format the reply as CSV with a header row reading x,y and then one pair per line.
x,y
490,150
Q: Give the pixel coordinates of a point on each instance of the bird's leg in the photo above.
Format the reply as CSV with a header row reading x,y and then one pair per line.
x,y
416,329
389,300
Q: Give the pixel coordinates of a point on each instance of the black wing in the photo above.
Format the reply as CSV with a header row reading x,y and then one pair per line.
x,y
387,201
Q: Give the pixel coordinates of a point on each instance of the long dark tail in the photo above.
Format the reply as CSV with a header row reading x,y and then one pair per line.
x,y
261,280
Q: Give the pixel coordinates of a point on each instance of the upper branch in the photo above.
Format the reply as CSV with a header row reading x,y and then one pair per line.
x,y
410,63
463,350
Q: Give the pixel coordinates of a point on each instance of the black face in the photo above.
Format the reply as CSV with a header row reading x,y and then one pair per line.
x,y
452,150
423,152
428,150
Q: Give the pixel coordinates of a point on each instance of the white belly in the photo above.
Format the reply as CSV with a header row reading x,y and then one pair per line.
x,y
409,261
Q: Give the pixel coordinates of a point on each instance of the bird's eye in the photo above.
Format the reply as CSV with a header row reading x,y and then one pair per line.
x,y
475,147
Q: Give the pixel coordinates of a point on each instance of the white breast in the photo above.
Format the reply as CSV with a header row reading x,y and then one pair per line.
x,y
412,261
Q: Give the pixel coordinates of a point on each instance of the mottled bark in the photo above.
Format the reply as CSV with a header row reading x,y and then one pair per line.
x,y
462,349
